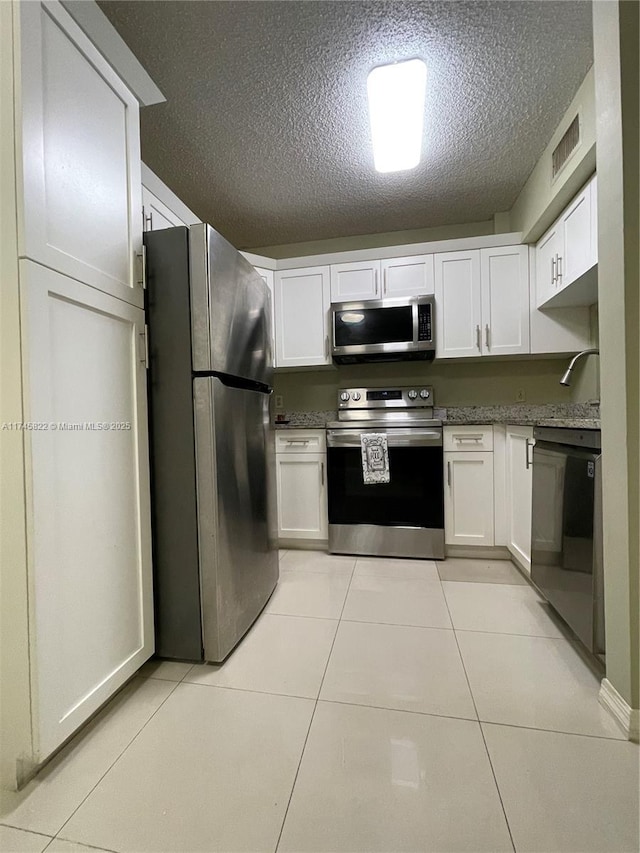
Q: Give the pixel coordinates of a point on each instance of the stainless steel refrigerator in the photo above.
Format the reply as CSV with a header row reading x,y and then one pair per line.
x,y
210,375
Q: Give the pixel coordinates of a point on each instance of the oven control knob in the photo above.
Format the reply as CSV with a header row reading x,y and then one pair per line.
x,y
344,396
412,395
356,396
424,394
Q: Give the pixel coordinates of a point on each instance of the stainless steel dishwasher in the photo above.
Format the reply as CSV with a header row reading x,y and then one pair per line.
x,y
566,529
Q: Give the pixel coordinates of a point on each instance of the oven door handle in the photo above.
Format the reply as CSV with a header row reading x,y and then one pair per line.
x,y
409,438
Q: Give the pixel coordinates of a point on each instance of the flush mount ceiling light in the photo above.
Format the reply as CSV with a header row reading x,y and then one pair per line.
x,y
396,111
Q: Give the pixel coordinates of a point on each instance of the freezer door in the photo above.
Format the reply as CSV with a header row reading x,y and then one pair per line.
x,y
230,310
238,562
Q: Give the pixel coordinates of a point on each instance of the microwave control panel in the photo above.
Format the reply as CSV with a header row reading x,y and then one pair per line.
x,y
424,323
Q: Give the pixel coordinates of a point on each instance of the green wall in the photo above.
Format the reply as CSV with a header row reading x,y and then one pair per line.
x,y
473,382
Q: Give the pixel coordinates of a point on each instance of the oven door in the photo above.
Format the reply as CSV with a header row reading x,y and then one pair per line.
x,y
404,517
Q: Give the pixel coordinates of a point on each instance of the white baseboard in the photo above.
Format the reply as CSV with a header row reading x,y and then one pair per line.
x,y
628,718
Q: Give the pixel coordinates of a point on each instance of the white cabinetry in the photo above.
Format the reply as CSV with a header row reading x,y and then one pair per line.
x,y
302,317
156,215
88,498
393,277
268,277
410,276
458,309
518,471
80,157
468,506
566,256
482,302
355,281
301,484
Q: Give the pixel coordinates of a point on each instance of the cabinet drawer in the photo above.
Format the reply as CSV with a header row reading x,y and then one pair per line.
x,y
467,437
300,441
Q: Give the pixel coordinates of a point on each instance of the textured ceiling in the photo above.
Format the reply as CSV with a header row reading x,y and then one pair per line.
x,y
265,130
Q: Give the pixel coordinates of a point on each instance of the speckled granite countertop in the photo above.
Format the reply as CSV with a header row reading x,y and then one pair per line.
x,y
565,415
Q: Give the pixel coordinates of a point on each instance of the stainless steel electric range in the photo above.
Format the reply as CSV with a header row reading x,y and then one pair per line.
x,y
401,518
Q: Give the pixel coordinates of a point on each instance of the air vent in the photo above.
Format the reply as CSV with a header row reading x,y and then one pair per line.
x,y
565,148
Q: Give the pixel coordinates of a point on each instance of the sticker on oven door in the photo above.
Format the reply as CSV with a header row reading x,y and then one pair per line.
x,y
591,469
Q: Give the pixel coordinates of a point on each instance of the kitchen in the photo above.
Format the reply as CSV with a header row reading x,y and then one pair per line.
x,y
458,384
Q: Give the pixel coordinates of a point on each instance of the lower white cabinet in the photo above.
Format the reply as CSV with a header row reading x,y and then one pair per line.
x,y
519,471
301,479
88,529
468,477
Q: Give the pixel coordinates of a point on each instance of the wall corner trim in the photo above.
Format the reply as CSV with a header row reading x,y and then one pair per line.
x,y
628,718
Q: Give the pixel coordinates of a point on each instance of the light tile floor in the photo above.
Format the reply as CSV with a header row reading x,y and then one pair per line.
x,y
376,705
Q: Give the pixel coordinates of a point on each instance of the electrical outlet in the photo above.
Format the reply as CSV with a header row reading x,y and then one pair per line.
x,y
279,401
520,395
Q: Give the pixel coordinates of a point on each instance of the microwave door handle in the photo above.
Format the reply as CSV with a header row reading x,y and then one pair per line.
x,y
414,309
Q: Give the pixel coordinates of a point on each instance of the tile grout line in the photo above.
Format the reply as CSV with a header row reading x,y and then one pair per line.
x,y
484,741
118,757
313,713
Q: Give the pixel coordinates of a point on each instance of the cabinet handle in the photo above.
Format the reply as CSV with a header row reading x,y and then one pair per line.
x,y
375,279
384,283
462,438
303,441
553,270
142,281
322,473
478,342
486,335
449,474
559,269
326,346
527,445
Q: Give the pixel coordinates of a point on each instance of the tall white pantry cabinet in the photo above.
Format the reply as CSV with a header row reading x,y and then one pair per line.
x,y
77,602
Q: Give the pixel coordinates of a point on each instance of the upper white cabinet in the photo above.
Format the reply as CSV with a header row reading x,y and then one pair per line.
x,y
458,309
566,256
302,317
482,302
88,498
393,277
268,277
355,281
411,276
78,156
156,215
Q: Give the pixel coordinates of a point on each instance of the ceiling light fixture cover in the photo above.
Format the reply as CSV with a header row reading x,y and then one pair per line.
x,y
396,111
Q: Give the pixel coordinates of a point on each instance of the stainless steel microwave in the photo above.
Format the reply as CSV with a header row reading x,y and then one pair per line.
x,y
399,329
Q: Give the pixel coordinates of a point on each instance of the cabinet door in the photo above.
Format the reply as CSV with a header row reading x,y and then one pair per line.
x,y
505,300
555,330
519,473
91,625
575,223
548,248
408,276
468,505
302,309
80,157
355,281
458,313
267,276
302,495
155,213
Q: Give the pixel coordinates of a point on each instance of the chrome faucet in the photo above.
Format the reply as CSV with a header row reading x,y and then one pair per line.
x,y
566,379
